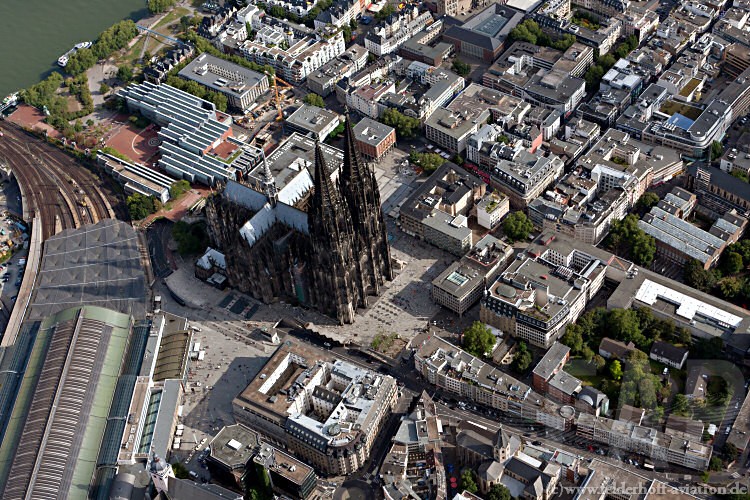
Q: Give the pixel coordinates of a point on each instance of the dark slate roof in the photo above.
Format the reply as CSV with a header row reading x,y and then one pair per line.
x,y
669,351
723,180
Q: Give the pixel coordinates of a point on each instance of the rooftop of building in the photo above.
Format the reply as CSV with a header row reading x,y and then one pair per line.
x,y
57,453
521,170
565,383
669,351
222,75
553,358
312,118
281,463
722,180
704,312
296,372
448,185
174,349
371,132
681,235
488,29
465,111
98,264
612,149
288,161
459,364
604,477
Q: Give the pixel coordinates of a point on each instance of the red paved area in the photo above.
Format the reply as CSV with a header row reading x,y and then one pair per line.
x,y
180,208
225,149
30,117
140,145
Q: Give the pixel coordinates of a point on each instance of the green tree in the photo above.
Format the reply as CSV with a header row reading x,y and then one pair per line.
x,y
460,68
731,286
517,226
498,492
741,175
646,201
626,235
140,206
697,277
337,131
733,263
522,358
639,385
159,6
406,126
643,249
681,405
716,150
103,88
615,370
707,348
314,100
599,362
573,338
715,464
683,336
622,324
190,238
385,12
429,162
178,188
478,339
529,31
180,471
731,452
347,33
124,73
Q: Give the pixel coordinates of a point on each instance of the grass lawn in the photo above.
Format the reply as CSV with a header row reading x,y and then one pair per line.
x,y
585,371
173,16
134,53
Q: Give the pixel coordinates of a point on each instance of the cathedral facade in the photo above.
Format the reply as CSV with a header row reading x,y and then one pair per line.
x,y
317,241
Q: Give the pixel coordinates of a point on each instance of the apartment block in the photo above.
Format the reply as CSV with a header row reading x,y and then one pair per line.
x,y
451,126
521,175
461,285
539,294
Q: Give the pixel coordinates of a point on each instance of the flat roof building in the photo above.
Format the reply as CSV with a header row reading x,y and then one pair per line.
x,y
323,80
327,411
236,448
197,143
314,121
523,176
607,480
461,285
538,295
241,85
437,211
679,241
373,139
483,36
136,178
451,126
446,366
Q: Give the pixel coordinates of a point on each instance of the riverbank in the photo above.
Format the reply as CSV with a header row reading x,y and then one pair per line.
x,y
37,32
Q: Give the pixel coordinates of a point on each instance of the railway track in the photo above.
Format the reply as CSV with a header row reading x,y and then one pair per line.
x,y
54,185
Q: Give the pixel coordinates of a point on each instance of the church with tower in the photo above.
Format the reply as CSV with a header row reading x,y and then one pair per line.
x,y
318,239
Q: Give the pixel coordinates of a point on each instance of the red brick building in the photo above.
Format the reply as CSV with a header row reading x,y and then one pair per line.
x,y
373,139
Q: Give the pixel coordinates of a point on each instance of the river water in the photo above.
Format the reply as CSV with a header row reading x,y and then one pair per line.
x,y
34,33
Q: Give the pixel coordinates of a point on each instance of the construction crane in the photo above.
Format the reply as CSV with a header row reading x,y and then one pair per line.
x,y
276,82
